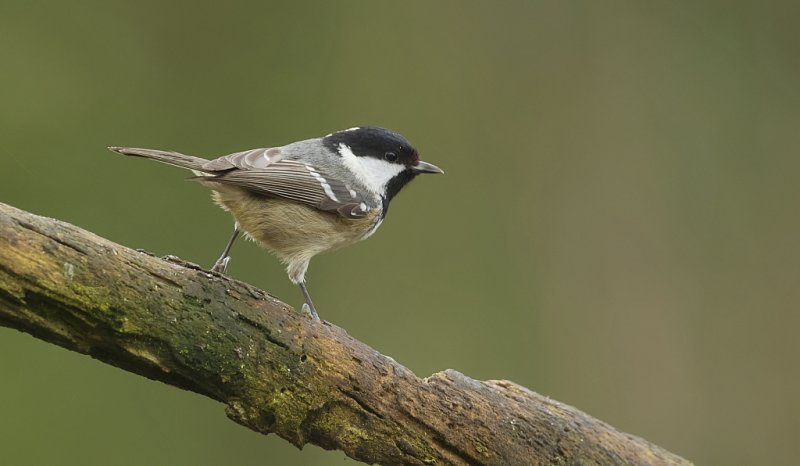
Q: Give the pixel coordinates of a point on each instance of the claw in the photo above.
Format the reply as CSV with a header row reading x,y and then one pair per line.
x,y
221,265
310,311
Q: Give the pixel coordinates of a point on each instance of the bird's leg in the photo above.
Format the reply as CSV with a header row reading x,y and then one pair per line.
x,y
296,269
308,306
221,265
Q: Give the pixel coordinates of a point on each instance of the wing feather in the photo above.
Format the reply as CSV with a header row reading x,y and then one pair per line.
x,y
255,171
245,160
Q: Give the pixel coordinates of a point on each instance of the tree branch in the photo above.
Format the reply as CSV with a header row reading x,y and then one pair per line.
x,y
275,369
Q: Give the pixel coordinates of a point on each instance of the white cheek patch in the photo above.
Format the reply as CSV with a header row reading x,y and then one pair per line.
x,y
373,173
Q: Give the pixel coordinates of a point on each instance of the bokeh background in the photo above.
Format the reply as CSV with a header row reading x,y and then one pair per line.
x,y
617,228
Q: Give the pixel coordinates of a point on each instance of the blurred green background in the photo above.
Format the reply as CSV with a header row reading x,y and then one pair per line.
x,y
617,228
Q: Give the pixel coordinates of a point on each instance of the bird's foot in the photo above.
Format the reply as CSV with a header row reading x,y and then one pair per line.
x,y
311,311
221,265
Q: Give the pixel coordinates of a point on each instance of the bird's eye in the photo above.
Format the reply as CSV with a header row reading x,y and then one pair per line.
x,y
390,157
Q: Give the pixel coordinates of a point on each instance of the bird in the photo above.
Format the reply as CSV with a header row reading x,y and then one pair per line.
x,y
306,197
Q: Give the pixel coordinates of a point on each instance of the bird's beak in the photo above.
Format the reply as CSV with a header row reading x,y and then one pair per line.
x,y
425,167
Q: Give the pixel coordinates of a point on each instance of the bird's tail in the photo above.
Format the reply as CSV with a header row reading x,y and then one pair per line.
x,y
172,158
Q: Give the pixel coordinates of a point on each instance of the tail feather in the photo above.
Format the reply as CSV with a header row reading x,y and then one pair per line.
x,y
171,158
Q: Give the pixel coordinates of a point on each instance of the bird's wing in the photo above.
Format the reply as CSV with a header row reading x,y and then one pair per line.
x,y
245,160
264,171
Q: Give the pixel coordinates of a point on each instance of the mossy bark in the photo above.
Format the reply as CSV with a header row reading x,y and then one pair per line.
x,y
275,369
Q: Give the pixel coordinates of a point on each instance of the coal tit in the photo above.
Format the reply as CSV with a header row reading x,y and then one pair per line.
x,y
306,197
